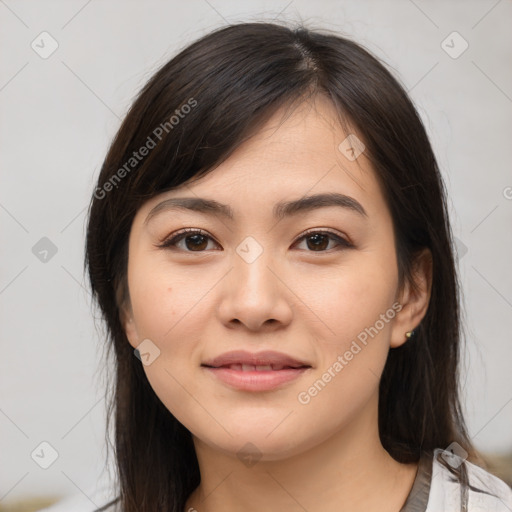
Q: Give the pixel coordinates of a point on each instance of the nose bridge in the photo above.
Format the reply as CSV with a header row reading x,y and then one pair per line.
x,y
254,294
251,269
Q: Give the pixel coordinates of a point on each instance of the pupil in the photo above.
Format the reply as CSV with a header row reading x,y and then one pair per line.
x,y
318,239
198,244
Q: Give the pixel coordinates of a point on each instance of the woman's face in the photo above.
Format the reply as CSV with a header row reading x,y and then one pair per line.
x,y
316,283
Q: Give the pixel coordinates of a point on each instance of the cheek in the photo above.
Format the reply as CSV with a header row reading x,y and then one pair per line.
x,y
352,360
164,306
353,297
163,299
352,339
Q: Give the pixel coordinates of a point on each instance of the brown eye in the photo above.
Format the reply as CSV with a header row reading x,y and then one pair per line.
x,y
194,240
318,241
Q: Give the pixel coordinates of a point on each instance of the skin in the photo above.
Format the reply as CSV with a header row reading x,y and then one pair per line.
x,y
324,455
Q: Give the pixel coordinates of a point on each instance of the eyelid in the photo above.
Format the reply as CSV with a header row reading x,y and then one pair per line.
x,y
336,234
181,232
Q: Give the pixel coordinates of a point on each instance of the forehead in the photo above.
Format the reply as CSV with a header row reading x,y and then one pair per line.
x,y
299,151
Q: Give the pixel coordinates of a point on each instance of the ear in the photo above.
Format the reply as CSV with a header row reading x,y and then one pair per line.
x,y
414,298
128,323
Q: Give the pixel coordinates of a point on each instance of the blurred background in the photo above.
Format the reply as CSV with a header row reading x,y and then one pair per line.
x,y
68,73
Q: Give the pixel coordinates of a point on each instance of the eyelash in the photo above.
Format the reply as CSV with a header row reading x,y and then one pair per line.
x,y
180,235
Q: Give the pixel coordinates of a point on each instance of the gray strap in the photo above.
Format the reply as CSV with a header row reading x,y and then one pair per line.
x,y
417,500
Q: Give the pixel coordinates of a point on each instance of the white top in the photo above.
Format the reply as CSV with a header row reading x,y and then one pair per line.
x,y
435,489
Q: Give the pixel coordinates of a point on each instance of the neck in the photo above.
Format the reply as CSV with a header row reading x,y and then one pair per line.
x,y
348,471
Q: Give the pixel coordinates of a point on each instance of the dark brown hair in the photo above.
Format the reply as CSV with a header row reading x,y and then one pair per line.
x,y
232,80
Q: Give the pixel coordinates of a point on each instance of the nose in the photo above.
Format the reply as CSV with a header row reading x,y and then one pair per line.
x,y
255,295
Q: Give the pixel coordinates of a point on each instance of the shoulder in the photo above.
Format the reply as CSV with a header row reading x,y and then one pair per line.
x,y
485,492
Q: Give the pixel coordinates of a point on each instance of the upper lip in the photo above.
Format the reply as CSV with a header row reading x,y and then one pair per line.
x,y
267,357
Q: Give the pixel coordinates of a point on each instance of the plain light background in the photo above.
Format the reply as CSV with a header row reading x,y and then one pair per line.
x,y
60,113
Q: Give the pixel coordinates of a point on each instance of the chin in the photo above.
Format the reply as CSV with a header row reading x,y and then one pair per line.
x,y
253,443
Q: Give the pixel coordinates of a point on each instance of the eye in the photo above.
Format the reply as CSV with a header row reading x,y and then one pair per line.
x,y
318,241
196,240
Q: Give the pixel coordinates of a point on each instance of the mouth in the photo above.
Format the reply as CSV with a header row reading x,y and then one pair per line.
x,y
241,367
268,360
264,371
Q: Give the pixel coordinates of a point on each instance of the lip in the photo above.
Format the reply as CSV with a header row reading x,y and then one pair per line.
x,y
255,379
267,357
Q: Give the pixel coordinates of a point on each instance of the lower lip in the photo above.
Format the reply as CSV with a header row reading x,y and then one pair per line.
x,y
264,380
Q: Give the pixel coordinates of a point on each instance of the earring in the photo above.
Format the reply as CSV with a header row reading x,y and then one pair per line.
x,y
409,334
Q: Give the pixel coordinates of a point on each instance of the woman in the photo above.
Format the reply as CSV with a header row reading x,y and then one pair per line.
x,y
270,248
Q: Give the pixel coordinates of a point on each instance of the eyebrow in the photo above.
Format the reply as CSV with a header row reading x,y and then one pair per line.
x,y
280,210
